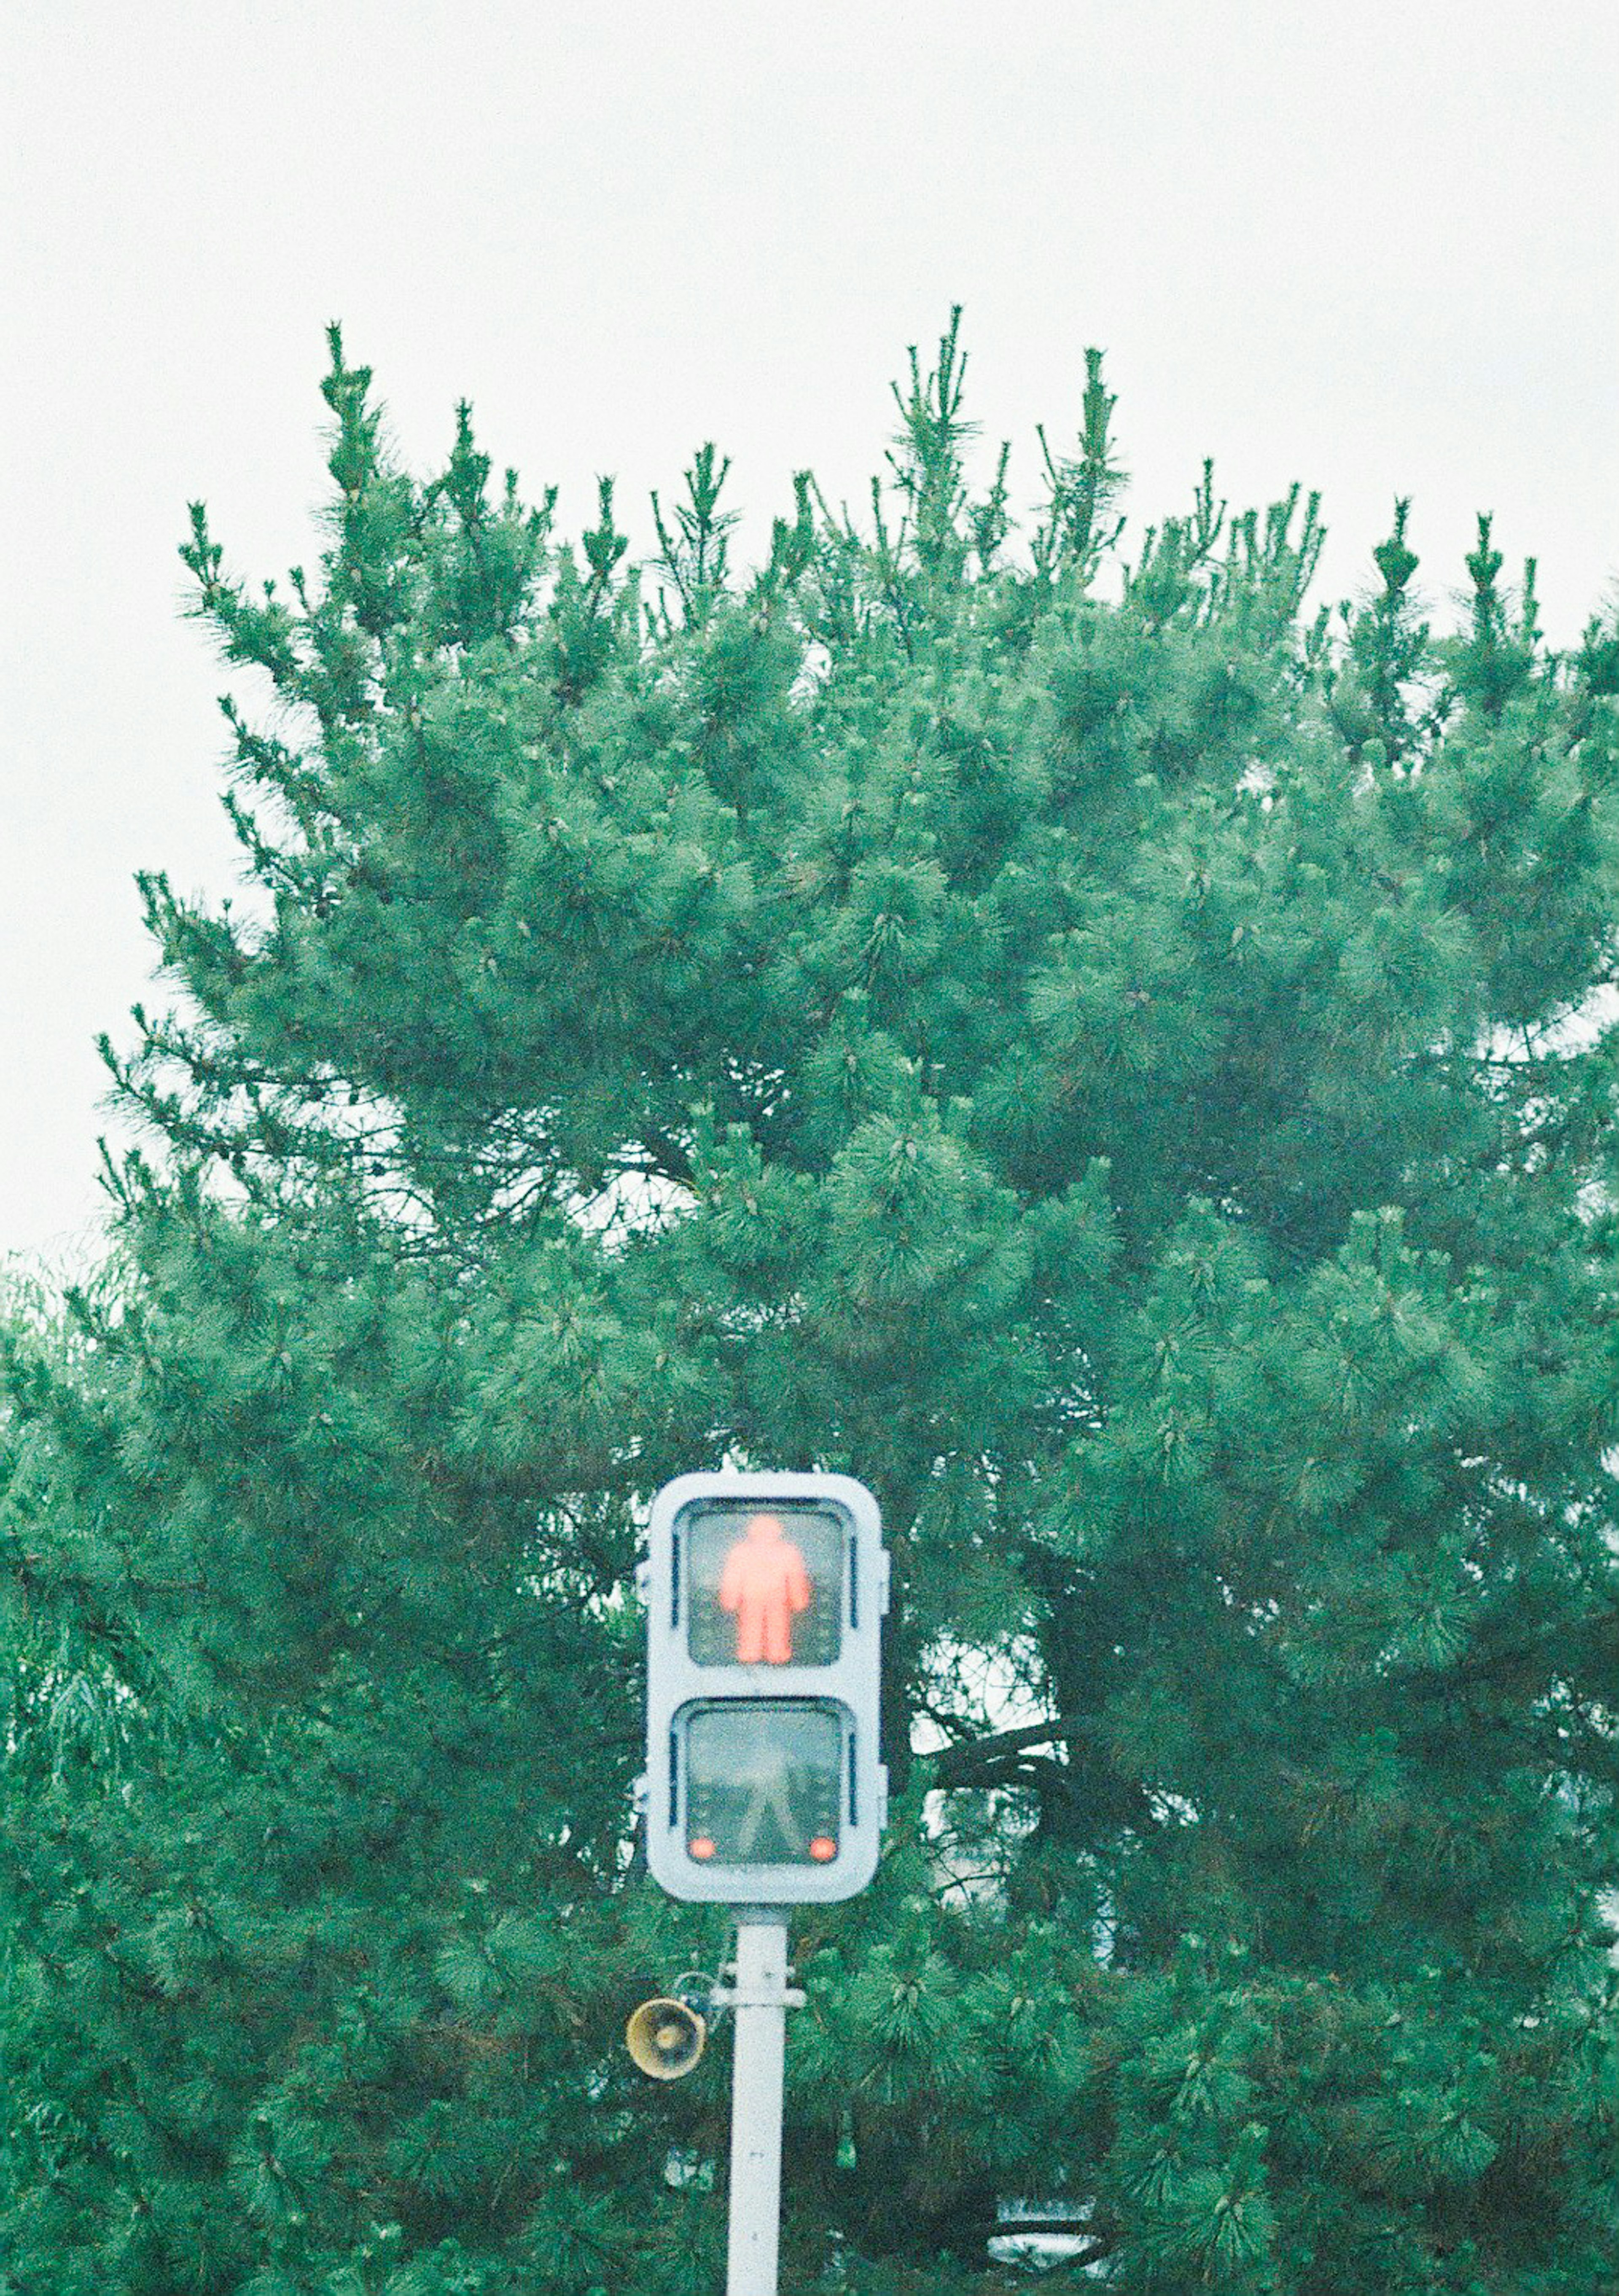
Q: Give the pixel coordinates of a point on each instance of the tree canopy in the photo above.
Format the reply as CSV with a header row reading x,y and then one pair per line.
x,y
1052,1025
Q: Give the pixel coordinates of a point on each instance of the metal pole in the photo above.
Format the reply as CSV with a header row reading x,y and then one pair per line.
x,y
761,2000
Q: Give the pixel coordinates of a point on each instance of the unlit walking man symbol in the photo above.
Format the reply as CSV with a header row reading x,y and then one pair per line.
x,y
765,1584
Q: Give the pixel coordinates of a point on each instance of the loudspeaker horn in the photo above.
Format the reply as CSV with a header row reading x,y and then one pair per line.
x,y
665,2039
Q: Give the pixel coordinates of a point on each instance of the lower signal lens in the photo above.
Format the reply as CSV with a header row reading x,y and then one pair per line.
x,y
763,1781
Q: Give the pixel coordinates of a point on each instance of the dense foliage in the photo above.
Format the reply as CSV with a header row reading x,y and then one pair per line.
x,y
1113,1061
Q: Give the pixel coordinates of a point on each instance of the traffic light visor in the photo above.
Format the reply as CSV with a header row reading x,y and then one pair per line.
x,y
766,1782
764,1584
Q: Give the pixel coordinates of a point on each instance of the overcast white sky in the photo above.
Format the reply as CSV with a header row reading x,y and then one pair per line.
x,y
1369,248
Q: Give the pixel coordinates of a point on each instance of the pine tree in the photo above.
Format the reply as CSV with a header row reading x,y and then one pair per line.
x,y
1115,1062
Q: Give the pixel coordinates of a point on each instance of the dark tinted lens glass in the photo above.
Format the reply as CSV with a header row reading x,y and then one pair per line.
x,y
763,1783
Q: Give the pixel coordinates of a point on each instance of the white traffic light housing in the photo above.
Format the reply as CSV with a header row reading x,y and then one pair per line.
x,y
766,1596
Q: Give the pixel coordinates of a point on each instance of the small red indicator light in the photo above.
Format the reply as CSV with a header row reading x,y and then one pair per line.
x,y
701,1846
822,1848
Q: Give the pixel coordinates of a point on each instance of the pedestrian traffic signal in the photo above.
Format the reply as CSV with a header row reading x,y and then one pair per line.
x,y
766,1596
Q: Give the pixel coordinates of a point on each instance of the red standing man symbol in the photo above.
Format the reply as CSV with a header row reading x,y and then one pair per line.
x,y
764,1583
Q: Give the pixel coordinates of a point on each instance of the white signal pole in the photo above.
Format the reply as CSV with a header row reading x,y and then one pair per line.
x,y
760,1996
